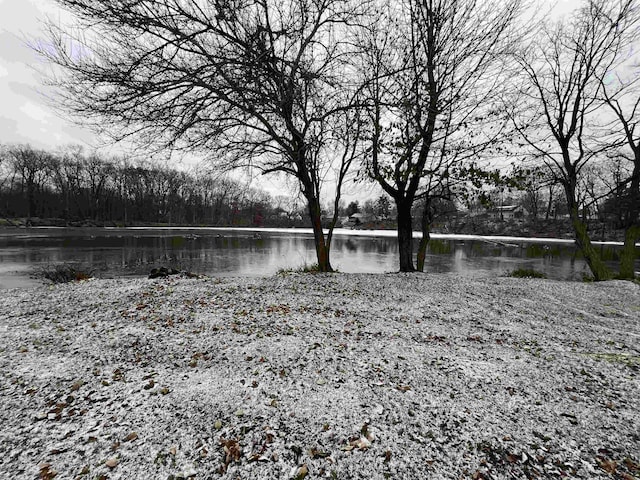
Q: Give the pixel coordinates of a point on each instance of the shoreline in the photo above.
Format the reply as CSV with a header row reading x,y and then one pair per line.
x,y
382,375
500,239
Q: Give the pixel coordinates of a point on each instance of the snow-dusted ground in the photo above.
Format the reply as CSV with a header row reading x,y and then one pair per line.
x,y
340,376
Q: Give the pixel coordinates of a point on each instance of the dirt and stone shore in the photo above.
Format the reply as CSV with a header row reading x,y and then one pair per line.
x,y
340,376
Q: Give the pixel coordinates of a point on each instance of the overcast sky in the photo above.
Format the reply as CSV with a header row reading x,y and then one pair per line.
x,y
25,116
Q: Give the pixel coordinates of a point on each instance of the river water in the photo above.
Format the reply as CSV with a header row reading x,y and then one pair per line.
x,y
113,252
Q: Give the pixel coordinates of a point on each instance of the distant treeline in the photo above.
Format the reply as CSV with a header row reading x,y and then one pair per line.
x,y
76,187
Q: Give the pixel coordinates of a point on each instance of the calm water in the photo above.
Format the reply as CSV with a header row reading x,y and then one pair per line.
x,y
117,252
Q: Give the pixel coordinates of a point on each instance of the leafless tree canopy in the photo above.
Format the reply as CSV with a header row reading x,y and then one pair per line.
x,y
247,77
257,83
435,71
560,110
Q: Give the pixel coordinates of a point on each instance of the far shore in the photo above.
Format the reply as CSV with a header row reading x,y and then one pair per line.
x,y
499,239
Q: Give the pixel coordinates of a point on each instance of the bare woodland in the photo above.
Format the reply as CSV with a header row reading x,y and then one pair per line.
x,y
424,97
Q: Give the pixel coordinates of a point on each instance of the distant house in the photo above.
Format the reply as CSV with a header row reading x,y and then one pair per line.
x,y
353,220
508,212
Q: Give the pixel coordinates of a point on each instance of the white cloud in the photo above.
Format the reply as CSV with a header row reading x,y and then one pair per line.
x,y
36,112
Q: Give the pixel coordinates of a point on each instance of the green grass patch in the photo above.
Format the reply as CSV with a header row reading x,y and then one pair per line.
x,y
623,358
527,273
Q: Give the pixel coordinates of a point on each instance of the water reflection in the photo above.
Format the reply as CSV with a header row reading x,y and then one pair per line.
x,y
122,252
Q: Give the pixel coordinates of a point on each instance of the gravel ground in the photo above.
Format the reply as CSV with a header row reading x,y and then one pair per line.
x,y
344,376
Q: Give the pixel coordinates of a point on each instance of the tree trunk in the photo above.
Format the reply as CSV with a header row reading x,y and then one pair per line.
x,y
425,227
322,251
31,200
598,269
632,232
596,265
628,256
405,236
549,203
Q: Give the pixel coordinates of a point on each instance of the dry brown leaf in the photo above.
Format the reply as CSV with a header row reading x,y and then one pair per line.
x,y
131,437
76,386
231,449
609,466
46,472
631,465
302,472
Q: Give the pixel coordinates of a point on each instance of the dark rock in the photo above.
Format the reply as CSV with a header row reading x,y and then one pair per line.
x,y
163,272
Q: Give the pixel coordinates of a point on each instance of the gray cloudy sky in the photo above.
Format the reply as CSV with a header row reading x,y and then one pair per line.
x,y
25,116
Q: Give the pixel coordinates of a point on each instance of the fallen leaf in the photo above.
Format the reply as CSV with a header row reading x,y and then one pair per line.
x,y
315,453
631,465
231,449
46,472
609,466
302,472
112,462
76,386
131,437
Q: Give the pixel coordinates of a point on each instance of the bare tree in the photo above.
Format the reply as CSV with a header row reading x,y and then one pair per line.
x,y
538,187
434,71
557,111
257,83
32,167
620,91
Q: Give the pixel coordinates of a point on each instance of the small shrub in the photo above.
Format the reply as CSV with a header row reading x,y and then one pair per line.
x,y
527,273
63,273
305,268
